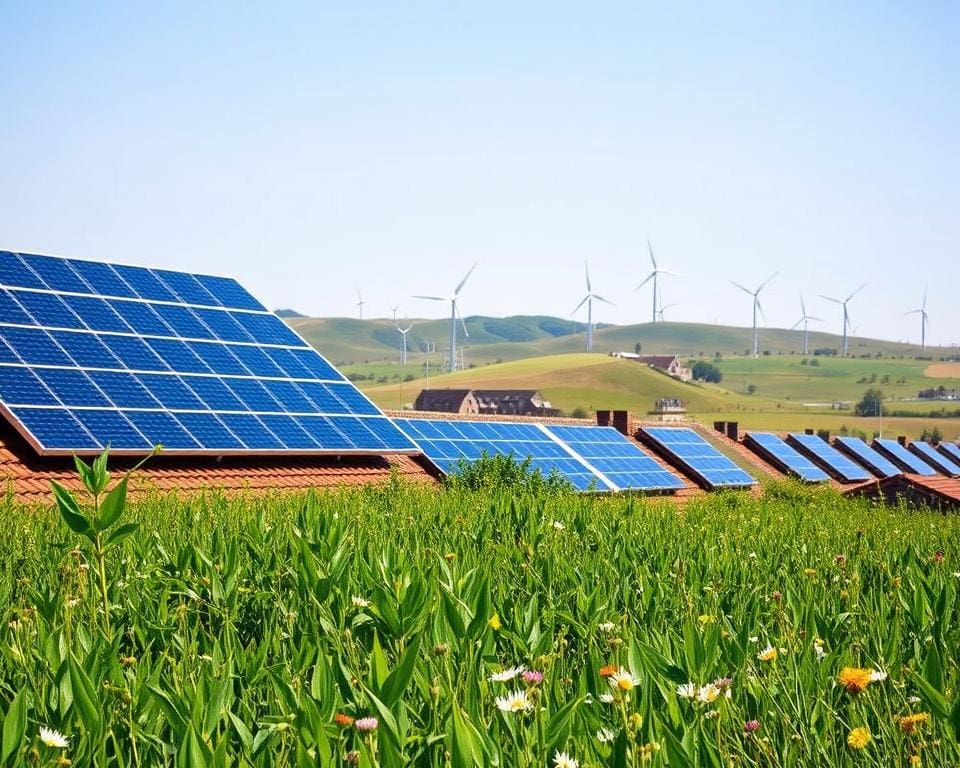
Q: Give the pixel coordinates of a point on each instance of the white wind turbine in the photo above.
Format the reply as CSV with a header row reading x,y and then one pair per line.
x,y
803,319
924,320
394,310
454,314
846,315
756,305
653,276
360,302
664,308
403,350
588,300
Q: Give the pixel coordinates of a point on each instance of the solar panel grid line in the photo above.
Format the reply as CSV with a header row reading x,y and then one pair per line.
x,y
789,461
72,342
901,457
579,457
941,463
862,453
950,450
828,458
697,458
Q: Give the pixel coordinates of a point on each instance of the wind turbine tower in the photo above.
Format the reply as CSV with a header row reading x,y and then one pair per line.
x,y
924,321
403,349
454,316
804,318
846,315
588,300
360,301
653,276
756,305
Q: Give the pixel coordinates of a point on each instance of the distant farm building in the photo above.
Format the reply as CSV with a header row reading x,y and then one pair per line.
x,y
939,393
668,364
510,402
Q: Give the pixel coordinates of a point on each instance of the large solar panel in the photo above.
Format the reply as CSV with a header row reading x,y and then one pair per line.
x,y
939,462
620,460
829,458
950,450
777,452
447,443
863,453
95,355
698,457
900,456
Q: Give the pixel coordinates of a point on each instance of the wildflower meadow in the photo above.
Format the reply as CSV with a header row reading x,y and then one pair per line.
x,y
523,626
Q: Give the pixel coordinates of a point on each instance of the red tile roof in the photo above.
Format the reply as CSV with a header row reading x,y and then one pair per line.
x,y
941,493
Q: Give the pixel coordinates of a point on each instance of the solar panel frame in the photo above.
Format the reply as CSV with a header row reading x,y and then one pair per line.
x,y
937,460
696,457
776,451
901,457
859,451
143,336
950,450
838,465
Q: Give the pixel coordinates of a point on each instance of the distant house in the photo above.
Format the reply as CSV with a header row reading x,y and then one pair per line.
x,y
514,402
939,393
447,401
509,402
669,364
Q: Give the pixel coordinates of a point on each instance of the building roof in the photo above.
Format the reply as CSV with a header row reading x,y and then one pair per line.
x,y
441,399
938,492
27,476
658,361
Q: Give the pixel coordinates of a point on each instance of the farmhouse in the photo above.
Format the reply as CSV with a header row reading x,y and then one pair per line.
x,y
505,402
669,364
447,401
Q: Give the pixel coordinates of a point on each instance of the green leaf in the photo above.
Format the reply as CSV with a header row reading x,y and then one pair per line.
x,y
121,533
84,695
113,505
397,681
14,726
70,510
936,700
558,729
465,752
246,737
193,752
100,475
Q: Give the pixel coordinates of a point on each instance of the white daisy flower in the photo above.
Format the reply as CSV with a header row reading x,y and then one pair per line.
x,y
708,693
687,690
607,626
518,701
606,698
563,760
623,680
505,675
360,602
557,525
53,738
878,676
605,735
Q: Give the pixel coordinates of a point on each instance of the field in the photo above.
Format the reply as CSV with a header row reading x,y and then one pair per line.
x,y
386,627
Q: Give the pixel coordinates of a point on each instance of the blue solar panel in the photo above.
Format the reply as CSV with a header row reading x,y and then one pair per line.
x,y
933,457
900,456
859,450
126,356
446,443
618,458
698,457
950,450
777,452
829,458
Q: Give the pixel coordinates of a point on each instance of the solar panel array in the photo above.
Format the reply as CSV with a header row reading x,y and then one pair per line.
x,y
591,458
774,449
697,456
950,450
95,354
828,457
620,460
900,456
935,458
863,453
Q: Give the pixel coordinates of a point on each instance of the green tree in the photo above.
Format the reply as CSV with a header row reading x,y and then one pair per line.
x,y
871,404
703,371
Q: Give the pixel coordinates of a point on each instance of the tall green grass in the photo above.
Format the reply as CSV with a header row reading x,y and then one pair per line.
x,y
251,630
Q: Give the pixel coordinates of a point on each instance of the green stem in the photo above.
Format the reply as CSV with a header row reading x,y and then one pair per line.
x,y
102,572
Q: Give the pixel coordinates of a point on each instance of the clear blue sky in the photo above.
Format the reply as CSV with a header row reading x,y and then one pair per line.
x,y
307,147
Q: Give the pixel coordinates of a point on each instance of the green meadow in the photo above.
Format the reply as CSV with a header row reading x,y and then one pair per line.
x,y
402,626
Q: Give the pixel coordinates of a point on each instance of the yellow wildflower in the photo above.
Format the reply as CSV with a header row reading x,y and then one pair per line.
x,y
495,623
768,654
859,737
854,679
909,723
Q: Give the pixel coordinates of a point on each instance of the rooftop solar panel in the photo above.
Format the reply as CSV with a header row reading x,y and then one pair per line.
x,y
950,450
447,443
698,457
900,456
95,355
863,453
620,459
777,452
933,457
842,467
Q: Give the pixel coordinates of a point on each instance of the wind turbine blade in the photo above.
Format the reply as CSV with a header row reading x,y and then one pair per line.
x,y
925,296
600,298
465,278
760,310
818,319
668,272
646,280
675,304
742,288
914,312
433,298
586,271
857,291
585,300
466,333
357,289
650,248
797,324
829,298
802,308
767,280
